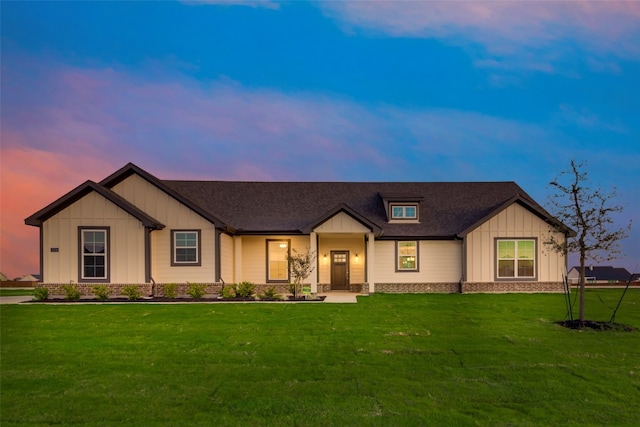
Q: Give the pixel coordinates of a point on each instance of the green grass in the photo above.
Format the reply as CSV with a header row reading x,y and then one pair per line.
x,y
8,292
392,360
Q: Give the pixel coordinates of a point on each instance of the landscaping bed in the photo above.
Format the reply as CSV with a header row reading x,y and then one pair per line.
x,y
121,300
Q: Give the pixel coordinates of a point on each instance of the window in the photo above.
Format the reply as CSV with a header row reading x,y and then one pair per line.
x,y
516,258
407,256
94,250
277,262
185,247
404,211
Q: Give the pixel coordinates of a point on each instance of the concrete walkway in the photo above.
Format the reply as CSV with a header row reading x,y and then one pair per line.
x,y
341,297
16,299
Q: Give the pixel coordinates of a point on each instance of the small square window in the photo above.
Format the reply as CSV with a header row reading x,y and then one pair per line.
x,y
185,247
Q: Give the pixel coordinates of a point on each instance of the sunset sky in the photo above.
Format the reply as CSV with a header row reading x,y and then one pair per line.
x,y
316,91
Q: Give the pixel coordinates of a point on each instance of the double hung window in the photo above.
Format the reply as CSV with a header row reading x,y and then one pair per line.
x,y
277,260
185,247
516,258
407,256
94,254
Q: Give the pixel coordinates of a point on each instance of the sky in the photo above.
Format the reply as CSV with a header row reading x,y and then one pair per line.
x,y
316,91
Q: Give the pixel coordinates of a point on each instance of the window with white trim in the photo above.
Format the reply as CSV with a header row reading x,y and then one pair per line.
x,y
277,260
407,255
404,211
516,258
94,262
185,247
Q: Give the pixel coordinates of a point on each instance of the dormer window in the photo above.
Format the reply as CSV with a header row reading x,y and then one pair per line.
x,y
404,211
402,208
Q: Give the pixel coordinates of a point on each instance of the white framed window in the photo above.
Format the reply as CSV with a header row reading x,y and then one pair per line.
x,y
185,248
94,254
516,258
278,260
407,255
404,211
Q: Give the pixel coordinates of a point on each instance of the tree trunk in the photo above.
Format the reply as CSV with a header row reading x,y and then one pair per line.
x,y
582,289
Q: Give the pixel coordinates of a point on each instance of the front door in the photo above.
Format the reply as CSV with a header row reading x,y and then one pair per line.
x,y
339,270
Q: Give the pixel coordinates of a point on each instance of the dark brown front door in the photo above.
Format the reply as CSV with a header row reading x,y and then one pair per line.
x,y
340,270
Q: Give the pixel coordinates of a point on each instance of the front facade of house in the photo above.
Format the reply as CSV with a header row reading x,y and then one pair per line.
x,y
133,228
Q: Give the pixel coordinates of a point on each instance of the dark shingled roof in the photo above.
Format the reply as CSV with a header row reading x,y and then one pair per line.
x,y
447,209
606,273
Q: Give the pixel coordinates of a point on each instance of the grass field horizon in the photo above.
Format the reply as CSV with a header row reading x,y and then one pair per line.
x,y
431,359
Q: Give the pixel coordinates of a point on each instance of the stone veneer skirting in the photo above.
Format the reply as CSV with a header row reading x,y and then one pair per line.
x,y
149,289
417,288
503,287
467,287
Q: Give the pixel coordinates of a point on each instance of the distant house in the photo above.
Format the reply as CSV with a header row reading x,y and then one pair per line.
x,y
599,274
3,278
29,278
133,228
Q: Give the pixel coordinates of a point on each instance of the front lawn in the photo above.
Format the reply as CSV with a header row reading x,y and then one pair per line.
x,y
388,360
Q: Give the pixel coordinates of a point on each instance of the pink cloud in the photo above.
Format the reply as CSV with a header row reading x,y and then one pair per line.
x,y
531,32
31,179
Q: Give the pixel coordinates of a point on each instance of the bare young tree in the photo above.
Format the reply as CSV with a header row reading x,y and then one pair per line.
x,y
588,212
300,265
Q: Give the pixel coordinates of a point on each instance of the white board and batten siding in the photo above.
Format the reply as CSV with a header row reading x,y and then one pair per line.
x,y
175,216
126,241
439,261
341,223
517,222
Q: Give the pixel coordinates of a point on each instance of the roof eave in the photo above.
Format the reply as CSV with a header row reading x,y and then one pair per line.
x,y
38,218
130,169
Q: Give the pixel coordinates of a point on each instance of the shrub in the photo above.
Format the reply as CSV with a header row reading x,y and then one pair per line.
x,y
41,294
270,294
132,292
71,292
170,290
102,292
229,291
245,289
196,290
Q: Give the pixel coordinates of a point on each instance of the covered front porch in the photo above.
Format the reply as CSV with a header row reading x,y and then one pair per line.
x,y
344,244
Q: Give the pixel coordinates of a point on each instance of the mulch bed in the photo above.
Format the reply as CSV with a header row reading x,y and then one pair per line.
x,y
174,300
595,325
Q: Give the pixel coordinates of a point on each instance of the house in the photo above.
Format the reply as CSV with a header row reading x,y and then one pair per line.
x,y
29,278
3,278
599,275
133,228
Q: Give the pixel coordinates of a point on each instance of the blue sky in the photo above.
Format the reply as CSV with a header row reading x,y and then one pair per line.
x,y
319,91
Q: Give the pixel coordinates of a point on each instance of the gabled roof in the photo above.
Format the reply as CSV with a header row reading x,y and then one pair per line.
x,y
529,204
605,273
79,192
347,210
447,209
130,169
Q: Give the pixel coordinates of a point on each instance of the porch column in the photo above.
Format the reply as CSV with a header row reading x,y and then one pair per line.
x,y
313,248
370,260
